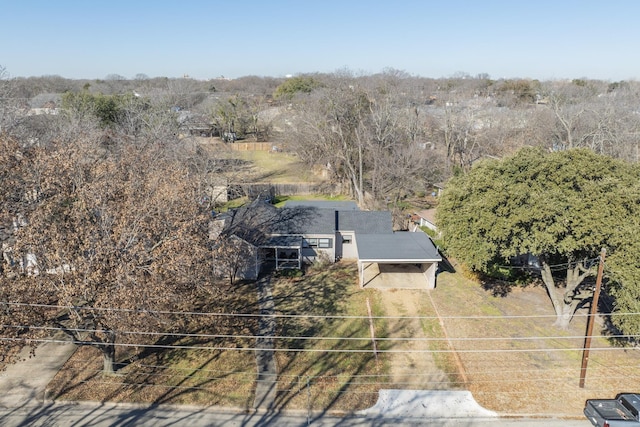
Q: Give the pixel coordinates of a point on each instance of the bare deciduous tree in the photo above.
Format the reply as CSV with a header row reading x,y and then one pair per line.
x,y
9,103
329,130
366,136
119,240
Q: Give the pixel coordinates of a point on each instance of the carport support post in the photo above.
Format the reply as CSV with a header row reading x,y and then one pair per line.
x,y
591,318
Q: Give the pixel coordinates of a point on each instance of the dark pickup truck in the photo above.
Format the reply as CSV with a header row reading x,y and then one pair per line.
x,y
619,412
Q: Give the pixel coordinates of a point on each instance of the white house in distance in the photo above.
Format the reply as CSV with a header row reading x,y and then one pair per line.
x,y
426,218
303,231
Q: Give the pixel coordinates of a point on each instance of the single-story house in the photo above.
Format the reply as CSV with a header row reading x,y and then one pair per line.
x,y
303,232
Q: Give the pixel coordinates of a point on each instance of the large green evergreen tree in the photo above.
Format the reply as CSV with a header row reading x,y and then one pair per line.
x,y
562,207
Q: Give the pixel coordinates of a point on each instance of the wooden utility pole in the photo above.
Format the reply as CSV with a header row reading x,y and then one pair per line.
x,y
591,319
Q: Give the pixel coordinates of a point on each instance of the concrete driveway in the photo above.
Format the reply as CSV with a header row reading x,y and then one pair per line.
x,y
25,382
394,276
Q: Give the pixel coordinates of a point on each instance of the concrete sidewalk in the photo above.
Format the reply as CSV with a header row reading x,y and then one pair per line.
x,y
267,381
24,383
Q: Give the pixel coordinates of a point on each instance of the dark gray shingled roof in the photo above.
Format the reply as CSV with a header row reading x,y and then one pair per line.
x,y
366,222
375,240
327,221
283,242
402,246
259,217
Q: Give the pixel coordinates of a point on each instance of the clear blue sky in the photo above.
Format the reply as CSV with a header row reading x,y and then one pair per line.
x,y
543,39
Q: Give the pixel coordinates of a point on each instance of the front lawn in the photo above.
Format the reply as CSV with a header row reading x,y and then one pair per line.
x,y
507,352
196,369
517,362
333,365
318,373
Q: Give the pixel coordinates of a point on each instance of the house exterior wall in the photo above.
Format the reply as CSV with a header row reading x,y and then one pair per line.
x,y
243,258
335,246
426,218
219,194
315,244
251,268
429,272
347,247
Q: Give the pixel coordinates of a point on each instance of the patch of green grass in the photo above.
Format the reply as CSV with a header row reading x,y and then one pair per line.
x,y
276,167
267,160
489,309
289,272
280,200
233,204
434,235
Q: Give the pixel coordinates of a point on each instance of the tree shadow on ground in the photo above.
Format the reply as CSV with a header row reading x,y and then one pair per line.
x,y
164,369
330,362
70,379
501,284
609,330
497,288
344,377
321,292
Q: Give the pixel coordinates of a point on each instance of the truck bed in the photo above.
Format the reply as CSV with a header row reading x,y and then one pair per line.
x,y
607,409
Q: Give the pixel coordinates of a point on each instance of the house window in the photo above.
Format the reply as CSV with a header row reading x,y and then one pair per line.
x,y
346,240
310,243
324,243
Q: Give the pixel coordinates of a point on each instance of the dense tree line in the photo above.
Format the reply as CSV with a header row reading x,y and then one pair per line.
x,y
460,119
562,208
106,166
102,224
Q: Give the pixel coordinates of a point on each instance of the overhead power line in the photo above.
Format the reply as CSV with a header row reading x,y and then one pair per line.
x,y
310,350
296,316
285,384
183,372
317,338
555,267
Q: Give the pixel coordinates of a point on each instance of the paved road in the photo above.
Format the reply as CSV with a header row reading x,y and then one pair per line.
x,y
102,415
22,403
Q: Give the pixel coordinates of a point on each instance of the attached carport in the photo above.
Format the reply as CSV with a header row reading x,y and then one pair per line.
x,y
397,260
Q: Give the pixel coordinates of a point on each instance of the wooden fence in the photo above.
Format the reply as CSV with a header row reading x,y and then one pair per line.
x,y
251,146
253,190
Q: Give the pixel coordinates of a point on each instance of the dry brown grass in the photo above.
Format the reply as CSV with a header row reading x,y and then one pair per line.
x,y
194,377
276,167
508,374
267,166
337,379
309,378
201,376
540,373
